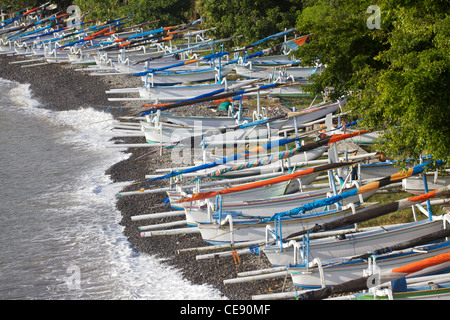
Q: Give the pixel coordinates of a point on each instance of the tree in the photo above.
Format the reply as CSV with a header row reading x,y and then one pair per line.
x,y
101,10
253,19
169,12
395,77
19,4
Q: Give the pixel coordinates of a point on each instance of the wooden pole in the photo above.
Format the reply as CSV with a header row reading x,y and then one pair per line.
x,y
170,232
279,274
158,215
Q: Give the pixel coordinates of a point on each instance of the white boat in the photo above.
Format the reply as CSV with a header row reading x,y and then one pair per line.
x,y
300,118
167,128
348,243
368,138
433,287
204,122
185,92
124,66
351,244
57,56
256,207
248,132
416,185
174,77
337,271
370,171
158,94
234,230
169,133
125,61
264,192
165,133
287,90
273,73
221,232
112,63
139,55
271,60
297,159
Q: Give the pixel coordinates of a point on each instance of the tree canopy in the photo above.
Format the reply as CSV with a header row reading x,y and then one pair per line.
x,y
253,19
395,76
168,12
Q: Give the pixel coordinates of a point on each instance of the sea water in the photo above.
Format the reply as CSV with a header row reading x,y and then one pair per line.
x,y
60,234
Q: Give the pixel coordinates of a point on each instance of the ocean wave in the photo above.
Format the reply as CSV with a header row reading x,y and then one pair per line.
x,y
75,227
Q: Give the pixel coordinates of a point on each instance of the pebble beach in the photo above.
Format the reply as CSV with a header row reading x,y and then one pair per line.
x,y
61,87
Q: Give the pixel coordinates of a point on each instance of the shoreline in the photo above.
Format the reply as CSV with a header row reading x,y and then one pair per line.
x,y
59,88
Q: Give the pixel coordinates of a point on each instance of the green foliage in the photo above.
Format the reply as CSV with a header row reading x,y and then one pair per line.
x,y
340,40
20,4
100,10
251,19
169,12
395,77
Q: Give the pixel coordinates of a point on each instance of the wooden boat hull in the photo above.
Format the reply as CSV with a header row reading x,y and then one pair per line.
x,y
265,192
171,78
231,137
336,273
252,230
270,61
262,207
169,133
353,244
297,73
258,193
158,94
286,91
309,115
128,68
435,289
416,185
363,139
377,170
303,157
204,122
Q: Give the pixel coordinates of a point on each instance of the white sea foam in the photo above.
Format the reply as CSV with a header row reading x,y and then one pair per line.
x,y
20,95
79,225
